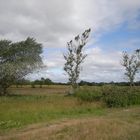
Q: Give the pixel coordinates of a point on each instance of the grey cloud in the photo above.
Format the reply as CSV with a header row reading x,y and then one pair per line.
x,y
54,22
58,21
98,66
46,20
102,66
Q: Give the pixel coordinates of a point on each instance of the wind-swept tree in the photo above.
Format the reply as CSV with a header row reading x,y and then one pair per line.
x,y
17,60
75,57
131,64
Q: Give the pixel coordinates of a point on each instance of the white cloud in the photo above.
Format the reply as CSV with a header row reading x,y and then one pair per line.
x,y
102,66
98,66
54,22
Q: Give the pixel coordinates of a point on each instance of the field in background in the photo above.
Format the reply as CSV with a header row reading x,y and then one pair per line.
x,y
47,113
46,89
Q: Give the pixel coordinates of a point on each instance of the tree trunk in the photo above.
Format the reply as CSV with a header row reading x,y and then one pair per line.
x,y
3,90
131,81
73,88
40,86
71,91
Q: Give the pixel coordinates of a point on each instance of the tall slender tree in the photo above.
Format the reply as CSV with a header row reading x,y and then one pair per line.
x,y
74,57
132,65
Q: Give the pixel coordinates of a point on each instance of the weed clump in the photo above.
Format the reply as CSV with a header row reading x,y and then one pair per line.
x,y
115,96
89,94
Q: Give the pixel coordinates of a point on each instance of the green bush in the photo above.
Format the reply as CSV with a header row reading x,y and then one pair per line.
x,y
134,97
115,96
89,94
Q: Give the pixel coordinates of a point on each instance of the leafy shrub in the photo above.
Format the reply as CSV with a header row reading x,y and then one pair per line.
x,y
9,124
89,94
115,96
134,96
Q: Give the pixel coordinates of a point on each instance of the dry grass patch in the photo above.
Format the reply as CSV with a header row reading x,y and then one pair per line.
x,y
99,129
119,124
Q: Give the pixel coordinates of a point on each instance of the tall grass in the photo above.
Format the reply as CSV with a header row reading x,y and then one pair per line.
x,y
113,96
34,105
89,94
21,110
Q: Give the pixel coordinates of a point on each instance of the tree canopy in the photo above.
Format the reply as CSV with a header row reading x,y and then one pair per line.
x,y
17,60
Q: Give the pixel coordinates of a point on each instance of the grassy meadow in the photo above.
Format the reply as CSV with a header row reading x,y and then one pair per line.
x,y
37,109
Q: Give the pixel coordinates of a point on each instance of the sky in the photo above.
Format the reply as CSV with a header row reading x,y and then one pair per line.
x,y
115,27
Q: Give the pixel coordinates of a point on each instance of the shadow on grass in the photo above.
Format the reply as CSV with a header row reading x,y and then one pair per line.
x,y
24,97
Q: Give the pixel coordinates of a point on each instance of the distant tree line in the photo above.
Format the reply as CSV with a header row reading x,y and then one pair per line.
x,y
40,82
48,81
83,83
18,59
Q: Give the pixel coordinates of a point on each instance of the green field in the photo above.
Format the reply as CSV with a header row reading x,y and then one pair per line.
x,y
49,105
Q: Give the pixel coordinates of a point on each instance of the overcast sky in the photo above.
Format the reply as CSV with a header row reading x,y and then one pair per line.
x,y
115,26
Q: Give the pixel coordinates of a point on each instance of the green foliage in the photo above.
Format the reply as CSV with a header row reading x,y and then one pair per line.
x,y
75,57
9,124
89,94
43,81
131,63
17,60
115,96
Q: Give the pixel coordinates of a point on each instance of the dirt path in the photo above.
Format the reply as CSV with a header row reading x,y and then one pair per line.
x,y
37,132
123,124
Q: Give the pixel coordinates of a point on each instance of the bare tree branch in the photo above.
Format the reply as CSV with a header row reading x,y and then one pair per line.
x,y
75,57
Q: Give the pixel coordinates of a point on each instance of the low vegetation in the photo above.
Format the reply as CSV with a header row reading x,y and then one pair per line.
x,y
20,110
49,113
118,125
121,96
89,94
113,96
